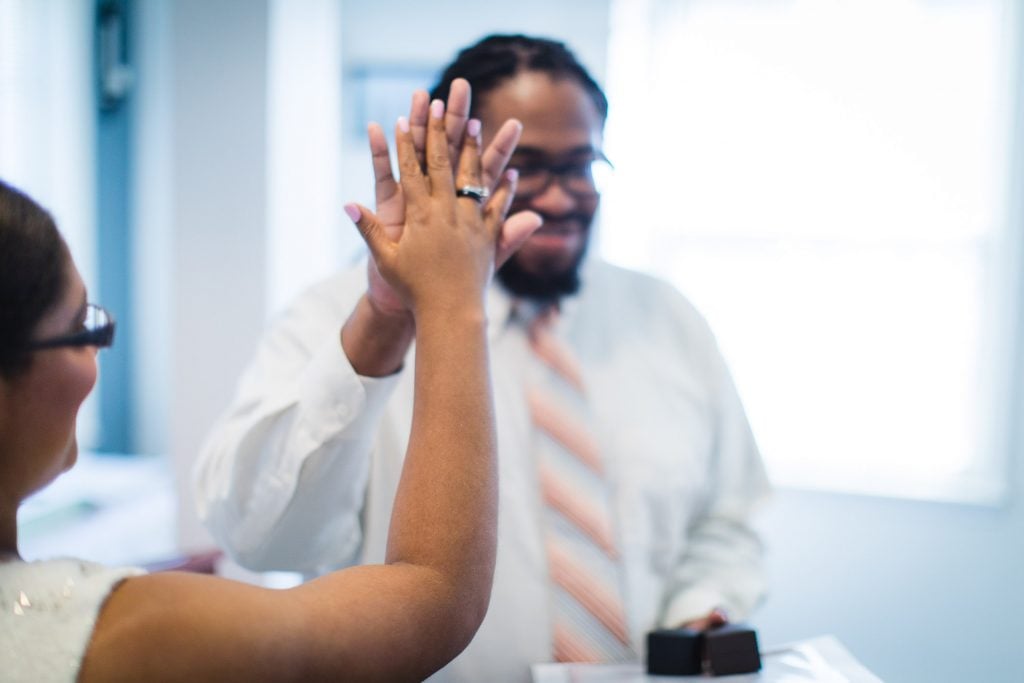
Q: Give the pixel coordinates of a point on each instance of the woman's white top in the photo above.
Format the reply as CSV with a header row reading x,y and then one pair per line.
x,y
47,613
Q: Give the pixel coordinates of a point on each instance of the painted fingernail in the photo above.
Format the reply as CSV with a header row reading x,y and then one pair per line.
x,y
473,127
512,175
437,109
353,212
403,124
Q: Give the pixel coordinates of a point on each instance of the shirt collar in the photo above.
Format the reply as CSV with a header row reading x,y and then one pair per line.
x,y
502,307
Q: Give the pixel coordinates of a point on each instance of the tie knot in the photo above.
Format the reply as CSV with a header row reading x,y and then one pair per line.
x,y
553,351
547,317
534,316
541,321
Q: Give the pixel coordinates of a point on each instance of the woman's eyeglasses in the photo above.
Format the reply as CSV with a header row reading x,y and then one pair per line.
x,y
97,330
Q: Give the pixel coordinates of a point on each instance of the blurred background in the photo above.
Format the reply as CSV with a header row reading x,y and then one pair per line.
x,y
837,185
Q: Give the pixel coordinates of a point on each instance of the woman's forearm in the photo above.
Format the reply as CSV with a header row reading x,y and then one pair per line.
x,y
445,508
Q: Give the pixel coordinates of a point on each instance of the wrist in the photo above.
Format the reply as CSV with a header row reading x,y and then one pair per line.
x,y
376,341
463,313
384,316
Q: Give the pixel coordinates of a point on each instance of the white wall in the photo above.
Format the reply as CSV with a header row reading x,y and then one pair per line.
x,y
400,32
202,215
304,189
919,592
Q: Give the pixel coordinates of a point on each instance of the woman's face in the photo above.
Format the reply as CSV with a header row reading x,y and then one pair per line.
x,y
40,407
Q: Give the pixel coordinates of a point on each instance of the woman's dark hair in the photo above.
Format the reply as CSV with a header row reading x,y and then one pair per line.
x,y
497,58
33,260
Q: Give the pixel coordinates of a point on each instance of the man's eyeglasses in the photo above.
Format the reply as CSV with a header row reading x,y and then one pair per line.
x,y
581,178
97,330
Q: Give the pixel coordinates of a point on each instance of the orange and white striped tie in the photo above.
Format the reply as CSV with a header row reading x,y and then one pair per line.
x,y
589,620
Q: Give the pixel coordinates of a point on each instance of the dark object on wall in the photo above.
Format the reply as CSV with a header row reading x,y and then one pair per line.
x,y
720,651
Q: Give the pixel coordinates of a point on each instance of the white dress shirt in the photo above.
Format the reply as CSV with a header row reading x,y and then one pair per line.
x,y
301,472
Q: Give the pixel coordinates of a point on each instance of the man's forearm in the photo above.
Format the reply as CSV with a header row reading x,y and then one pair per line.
x,y
374,342
302,412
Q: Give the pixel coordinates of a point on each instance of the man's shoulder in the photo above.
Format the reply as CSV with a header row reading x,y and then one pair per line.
x,y
628,304
640,291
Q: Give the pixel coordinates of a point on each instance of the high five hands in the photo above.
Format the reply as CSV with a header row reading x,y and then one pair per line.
x,y
456,141
431,248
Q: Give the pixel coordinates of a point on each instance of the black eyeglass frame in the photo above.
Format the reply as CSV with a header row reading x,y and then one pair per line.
x,y
557,173
101,336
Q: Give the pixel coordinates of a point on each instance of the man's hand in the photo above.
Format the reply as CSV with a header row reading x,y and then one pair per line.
x,y
714,618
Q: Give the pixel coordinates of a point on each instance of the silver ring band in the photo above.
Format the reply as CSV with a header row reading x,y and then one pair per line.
x,y
477,192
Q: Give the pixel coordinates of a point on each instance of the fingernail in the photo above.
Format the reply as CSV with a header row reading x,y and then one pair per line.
x,y
512,175
353,212
403,124
473,127
437,109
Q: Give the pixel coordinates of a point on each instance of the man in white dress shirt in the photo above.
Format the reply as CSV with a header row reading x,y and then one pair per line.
x,y
301,471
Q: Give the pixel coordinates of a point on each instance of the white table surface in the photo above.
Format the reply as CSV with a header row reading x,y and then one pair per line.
x,y
816,660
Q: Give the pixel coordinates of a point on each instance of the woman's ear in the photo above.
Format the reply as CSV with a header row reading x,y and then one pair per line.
x,y
5,390
7,399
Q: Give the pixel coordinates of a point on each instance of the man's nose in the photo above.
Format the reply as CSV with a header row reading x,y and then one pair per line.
x,y
554,200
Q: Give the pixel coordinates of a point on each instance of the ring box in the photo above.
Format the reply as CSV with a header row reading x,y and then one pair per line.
x,y
674,652
719,651
731,649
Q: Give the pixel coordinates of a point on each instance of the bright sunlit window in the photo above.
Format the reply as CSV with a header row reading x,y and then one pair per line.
x,y
826,181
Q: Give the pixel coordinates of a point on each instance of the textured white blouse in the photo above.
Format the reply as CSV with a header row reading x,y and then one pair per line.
x,y
47,613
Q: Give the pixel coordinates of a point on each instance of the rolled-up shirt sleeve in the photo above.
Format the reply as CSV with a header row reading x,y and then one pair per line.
x,y
301,420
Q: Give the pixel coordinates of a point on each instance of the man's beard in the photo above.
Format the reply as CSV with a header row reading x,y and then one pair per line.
x,y
548,286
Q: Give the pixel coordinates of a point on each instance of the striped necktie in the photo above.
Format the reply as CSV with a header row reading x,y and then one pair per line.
x,y
589,621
